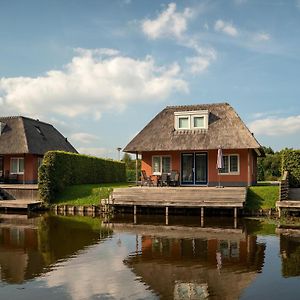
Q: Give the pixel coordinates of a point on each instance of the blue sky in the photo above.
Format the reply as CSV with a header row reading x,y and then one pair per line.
x,y
101,70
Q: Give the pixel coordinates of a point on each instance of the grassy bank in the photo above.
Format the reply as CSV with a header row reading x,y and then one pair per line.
x,y
262,197
86,194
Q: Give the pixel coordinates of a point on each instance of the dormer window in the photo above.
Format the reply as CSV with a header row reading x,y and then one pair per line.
x,y
191,120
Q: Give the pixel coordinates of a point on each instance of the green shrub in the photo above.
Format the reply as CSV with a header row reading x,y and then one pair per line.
x,y
60,169
291,163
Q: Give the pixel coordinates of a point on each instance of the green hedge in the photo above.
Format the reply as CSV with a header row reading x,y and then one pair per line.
x,y
60,169
291,163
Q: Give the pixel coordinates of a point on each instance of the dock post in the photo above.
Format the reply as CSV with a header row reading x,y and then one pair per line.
x,y
279,212
134,214
167,215
202,216
235,212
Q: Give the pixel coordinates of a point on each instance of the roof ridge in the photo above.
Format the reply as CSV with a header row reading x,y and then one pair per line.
x,y
28,118
25,135
202,104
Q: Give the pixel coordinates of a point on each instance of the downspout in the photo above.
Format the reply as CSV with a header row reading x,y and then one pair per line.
x,y
24,169
136,168
249,171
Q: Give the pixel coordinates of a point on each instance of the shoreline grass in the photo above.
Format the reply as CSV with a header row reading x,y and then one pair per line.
x,y
262,197
86,194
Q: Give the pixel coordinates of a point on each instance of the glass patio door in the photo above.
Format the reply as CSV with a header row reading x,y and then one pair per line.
x,y
194,168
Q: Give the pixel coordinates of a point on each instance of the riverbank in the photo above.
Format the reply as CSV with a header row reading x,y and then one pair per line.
x,y
261,197
86,194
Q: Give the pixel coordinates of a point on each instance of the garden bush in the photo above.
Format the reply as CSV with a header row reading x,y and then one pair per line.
x,y
291,163
60,169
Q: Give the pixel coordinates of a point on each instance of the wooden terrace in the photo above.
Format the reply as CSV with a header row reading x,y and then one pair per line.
x,y
179,197
19,196
289,198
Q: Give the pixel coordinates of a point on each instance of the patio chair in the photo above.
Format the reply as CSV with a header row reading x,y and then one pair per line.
x,y
164,179
146,180
174,178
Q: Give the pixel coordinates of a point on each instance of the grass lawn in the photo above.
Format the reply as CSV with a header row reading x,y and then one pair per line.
x,y
262,197
86,194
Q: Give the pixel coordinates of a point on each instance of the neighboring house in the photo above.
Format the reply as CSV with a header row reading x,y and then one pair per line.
x,y
23,143
186,139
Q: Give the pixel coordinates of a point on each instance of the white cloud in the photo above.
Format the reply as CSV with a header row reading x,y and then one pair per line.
x,y
197,63
172,24
262,37
276,126
169,23
84,138
93,82
226,28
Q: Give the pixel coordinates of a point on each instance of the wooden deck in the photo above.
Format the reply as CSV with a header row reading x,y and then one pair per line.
x,y
293,201
178,232
19,204
19,196
228,197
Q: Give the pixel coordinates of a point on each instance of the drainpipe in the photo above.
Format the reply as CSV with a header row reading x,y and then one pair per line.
x,y
136,168
249,175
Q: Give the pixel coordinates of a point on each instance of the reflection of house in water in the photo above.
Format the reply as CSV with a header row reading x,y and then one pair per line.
x,y
179,263
290,252
30,246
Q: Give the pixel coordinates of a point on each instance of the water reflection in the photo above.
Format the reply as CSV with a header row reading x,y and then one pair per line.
x,y
192,262
64,257
290,252
30,245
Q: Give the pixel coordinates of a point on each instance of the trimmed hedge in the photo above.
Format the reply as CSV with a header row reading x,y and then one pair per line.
x,y
60,169
291,163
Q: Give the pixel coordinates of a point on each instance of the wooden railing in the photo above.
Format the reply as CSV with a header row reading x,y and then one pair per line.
x,y
284,187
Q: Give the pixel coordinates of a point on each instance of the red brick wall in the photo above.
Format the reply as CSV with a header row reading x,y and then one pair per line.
x,y
246,176
30,166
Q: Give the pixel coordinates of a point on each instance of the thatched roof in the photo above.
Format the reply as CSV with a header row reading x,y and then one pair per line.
x,y
225,129
20,135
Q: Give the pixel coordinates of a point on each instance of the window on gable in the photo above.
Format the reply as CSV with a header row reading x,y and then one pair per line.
x,y
189,120
183,122
198,122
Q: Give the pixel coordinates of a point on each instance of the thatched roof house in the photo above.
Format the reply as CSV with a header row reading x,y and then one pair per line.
x,y
23,142
186,139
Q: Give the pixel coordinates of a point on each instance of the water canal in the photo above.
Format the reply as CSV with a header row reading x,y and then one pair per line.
x,y
72,257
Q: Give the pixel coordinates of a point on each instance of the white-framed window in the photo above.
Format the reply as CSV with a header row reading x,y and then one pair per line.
x,y
189,120
161,164
17,165
231,164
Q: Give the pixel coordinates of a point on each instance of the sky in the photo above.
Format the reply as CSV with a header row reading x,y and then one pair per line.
x,y
99,71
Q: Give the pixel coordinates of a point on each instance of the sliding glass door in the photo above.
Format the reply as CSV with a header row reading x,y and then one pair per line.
x,y
194,168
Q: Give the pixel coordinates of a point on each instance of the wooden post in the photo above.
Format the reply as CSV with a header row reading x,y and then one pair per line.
x,y
167,215
134,209
202,212
235,223
279,212
235,212
136,168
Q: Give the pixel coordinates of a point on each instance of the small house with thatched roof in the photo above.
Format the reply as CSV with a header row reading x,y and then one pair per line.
x,y
23,143
186,139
